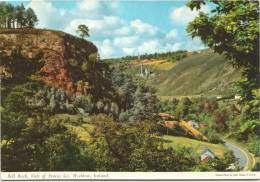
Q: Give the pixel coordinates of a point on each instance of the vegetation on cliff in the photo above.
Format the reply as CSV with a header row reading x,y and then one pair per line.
x,y
16,16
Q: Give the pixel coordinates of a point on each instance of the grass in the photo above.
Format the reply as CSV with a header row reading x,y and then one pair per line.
x,y
82,130
206,73
196,145
163,66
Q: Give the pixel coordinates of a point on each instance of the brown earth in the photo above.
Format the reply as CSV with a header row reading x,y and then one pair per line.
x,y
61,56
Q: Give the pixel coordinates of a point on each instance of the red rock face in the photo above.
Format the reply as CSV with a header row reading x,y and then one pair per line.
x,y
53,50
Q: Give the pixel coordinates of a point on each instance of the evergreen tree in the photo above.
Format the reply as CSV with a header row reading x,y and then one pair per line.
x,y
31,18
83,31
16,16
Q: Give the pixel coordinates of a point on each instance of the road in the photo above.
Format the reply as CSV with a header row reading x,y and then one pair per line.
x,y
245,160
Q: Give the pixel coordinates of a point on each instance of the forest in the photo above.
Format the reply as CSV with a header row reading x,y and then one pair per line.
x,y
16,16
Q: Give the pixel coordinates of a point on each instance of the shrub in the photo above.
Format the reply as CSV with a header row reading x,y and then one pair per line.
x,y
254,145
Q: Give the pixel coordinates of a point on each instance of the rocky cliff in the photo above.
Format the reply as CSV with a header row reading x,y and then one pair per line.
x,y
61,60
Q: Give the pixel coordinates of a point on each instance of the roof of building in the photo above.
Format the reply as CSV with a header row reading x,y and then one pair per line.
x,y
207,150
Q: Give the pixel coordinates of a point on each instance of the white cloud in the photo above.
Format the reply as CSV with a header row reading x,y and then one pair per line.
x,y
97,8
48,15
172,34
194,44
183,14
125,30
149,46
142,27
129,51
98,26
125,41
174,47
112,35
106,48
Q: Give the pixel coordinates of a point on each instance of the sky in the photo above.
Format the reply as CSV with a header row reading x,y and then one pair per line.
x,y
121,28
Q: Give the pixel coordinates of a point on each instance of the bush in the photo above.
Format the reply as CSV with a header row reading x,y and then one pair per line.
x,y
254,145
183,107
219,118
134,147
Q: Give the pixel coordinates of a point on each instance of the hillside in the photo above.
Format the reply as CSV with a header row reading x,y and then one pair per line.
x,y
60,60
205,73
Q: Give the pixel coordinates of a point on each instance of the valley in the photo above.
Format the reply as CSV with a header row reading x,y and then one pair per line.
x,y
82,98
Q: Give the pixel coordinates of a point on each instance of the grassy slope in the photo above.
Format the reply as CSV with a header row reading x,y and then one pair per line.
x,y
196,145
206,73
85,128
82,130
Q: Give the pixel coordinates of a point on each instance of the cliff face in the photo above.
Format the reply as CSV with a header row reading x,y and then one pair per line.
x,y
60,60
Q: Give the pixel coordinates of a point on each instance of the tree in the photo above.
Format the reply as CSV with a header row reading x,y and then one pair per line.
x,y
16,16
20,16
45,144
134,147
31,18
232,29
183,107
83,31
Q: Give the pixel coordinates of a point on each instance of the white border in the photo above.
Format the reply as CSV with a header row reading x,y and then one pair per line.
x,y
106,176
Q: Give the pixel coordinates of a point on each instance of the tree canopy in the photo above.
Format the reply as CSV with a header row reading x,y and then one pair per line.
x,y
16,16
83,31
232,29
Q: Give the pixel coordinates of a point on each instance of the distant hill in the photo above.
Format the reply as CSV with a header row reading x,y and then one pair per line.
x,y
206,73
168,56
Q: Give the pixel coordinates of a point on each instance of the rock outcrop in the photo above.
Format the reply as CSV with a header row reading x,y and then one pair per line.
x,y
57,58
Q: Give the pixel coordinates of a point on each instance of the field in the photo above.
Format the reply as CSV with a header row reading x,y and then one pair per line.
x,y
196,145
155,64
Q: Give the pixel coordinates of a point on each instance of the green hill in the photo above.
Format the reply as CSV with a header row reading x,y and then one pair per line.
x,y
206,73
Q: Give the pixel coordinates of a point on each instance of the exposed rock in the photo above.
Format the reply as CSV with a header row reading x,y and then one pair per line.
x,y
60,56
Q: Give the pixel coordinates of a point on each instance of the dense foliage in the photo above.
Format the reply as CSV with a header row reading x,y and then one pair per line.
x,y
232,28
16,16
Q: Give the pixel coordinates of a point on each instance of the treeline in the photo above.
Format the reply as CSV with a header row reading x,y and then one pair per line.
x,y
16,16
169,56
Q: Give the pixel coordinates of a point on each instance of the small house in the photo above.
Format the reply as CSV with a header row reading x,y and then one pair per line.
x,y
193,123
206,155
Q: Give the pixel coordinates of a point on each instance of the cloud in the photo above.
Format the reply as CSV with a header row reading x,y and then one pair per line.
x,y
142,27
172,34
126,41
129,51
183,15
97,8
150,46
174,47
99,27
106,48
114,36
48,15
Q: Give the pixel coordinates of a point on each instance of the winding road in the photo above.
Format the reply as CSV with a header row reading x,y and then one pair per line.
x,y
246,161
